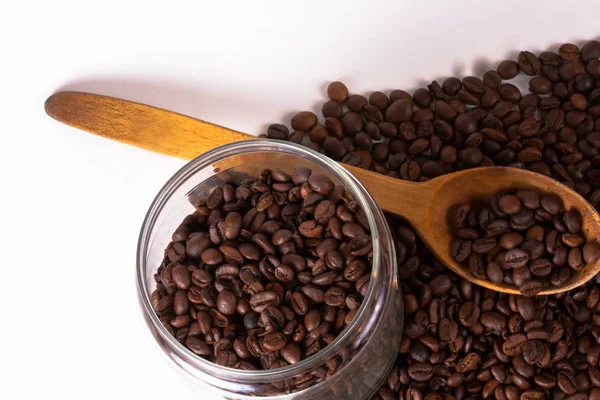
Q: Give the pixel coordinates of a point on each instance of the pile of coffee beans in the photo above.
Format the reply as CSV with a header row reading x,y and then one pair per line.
x,y
522,238
266,272
462,341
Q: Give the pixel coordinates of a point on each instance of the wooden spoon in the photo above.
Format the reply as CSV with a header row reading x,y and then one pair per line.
x,y
427,206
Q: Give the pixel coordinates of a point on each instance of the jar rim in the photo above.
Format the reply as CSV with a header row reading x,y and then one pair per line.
x,y
365,200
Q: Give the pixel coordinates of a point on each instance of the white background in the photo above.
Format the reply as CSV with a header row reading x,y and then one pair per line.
x,y
72,203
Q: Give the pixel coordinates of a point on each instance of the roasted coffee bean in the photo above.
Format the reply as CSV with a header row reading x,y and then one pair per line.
x,y
335,297
493,320
529,63
399,111
420,371
591,252
303,121
551,204
474,85
461,249
568,52
566,382
508,69
337,91
226,302
531,287
198,346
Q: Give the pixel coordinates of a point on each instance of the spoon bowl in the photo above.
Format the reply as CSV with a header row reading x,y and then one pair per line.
x,y
427,205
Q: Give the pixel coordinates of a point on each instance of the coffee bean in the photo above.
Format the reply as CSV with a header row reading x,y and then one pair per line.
x,y
278,131
575,259
337,91
320,183
313,293
566,382
211,256
335,297
551,204
509,92
303,121
529,198
484,245
331,109
360,245
198,346
494,272
474,85
572,240
516,258
181,276
420,371
274,341
261,300
291,353
334,148
509,204
492,79
460,215
226,302
422,98
380,100
568,52
511,240
399,111
284,273
447,330
531,287
533,351
529,63
513,344
541,267
469,363
451,86
591,252
540,85
461,250
508,69
441,284
572,222
520,275
469,314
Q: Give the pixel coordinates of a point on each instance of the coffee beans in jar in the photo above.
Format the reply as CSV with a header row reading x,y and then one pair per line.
x,y
267,271
522,238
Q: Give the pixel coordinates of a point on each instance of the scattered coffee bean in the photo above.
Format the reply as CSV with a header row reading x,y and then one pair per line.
x,y
337,91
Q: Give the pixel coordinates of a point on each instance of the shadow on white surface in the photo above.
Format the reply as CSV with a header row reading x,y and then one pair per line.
x,y
235,110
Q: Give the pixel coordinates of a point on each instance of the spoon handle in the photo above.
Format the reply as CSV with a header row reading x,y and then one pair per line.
x,y
140,125
410,200
178,135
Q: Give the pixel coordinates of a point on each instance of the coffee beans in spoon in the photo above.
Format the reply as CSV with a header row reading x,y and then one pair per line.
x,y
523,238
267,271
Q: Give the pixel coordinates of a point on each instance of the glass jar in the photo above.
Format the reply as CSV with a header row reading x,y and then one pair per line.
x,y
356,363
